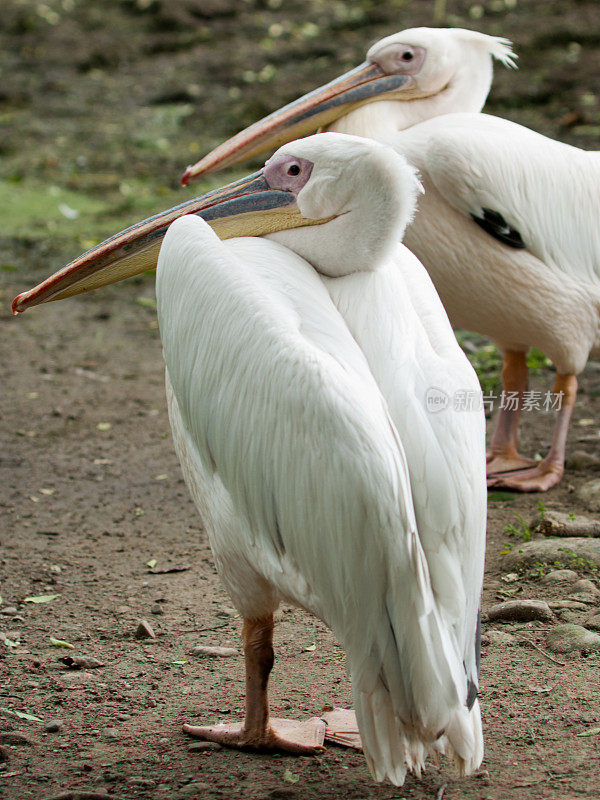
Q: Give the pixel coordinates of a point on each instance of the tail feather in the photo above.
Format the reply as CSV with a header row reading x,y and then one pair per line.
x,y
410,688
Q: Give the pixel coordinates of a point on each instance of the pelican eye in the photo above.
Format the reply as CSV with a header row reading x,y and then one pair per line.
x,y
408,55
293,169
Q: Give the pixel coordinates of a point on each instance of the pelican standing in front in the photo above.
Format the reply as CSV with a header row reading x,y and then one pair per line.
x,y
299,368
507,229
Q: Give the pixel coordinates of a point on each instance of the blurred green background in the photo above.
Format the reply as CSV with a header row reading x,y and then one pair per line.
x,y
103,104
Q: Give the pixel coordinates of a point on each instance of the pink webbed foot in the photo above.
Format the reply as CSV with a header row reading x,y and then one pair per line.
x,y
539,479
507,462
282,735
342,728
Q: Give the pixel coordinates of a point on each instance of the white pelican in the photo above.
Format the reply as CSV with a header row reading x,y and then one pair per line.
x,y
508,228
298,399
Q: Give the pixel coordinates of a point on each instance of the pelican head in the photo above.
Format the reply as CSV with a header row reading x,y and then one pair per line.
x,y
327,180
413,75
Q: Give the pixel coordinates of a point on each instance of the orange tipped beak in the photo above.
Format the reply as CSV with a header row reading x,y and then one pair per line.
x,y
319,108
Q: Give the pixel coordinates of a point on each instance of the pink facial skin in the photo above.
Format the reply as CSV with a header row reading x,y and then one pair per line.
x,y
401,59
287,173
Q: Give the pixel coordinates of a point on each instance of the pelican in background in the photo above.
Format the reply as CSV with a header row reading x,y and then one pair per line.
x,y
298,370
508,228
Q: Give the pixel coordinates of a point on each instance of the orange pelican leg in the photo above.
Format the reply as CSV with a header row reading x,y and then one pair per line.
x,y
503,455
550,470
258,732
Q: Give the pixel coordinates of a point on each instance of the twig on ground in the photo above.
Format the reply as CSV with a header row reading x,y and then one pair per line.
x,y
543,652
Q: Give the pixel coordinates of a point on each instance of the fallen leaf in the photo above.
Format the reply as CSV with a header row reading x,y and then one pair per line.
x,y
540,689
174,568
162,477
23,715
41,598
310,648
146,302
500,497
180,661
152,563
290,777
9,642
47,492
81,662
67,211
590,732
104,426
61,643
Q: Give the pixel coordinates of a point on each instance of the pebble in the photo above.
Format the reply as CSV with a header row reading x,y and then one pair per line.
x,y
582,460
99,794
193,789
144,630
590,494
594,622
4,754
157,609
9,611
16,739
54,726
559,523
570,638
560,576
499,637
563,550
203,747
207,650
143,783
227,611
585,585
571,605
122,609
568,616
521,610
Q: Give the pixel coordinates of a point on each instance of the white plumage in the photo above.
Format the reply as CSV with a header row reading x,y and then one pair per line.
x,y
508,226
298,407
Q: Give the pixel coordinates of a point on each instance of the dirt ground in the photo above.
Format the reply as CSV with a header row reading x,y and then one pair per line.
x,y
101,107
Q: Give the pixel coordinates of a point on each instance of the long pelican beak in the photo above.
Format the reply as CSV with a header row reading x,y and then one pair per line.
x,y
364,84
247,207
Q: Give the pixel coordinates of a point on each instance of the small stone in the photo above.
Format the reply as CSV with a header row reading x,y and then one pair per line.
x,y
590,494
521,610
203,747
15,739
499,637
560,576
594,622
585,585
4,755
559,523
568,616
157,609
571,638
584,597
54,726
562,550
144,630
227,611
122,610
195,789
571,605
207,650
143,783
582,460
9,611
